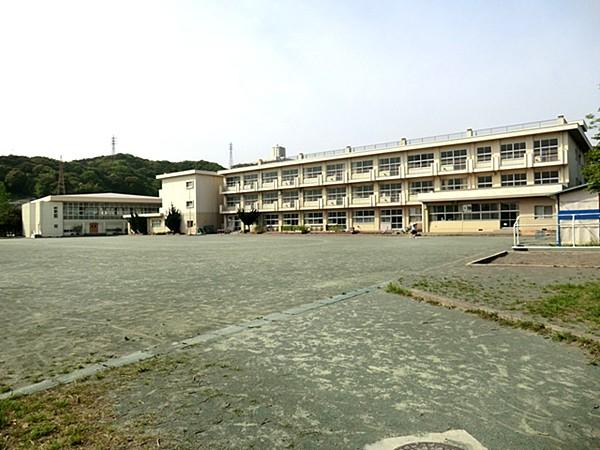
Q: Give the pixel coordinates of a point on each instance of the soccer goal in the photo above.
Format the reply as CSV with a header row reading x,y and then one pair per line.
x,y
565,229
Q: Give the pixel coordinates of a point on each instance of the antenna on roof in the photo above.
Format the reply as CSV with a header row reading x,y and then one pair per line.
x,y
114,144
230,155
61,178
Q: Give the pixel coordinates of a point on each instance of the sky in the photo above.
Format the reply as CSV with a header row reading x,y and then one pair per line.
x,y
180,80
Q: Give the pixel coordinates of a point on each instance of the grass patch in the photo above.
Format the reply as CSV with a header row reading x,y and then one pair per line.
x,y
394,288
570,302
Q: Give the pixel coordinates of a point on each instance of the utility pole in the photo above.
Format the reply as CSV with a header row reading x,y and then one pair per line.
x,y
61,178
230,155
114,144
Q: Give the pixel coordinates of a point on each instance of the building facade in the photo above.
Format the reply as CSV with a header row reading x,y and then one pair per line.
x,y
474,181
83,214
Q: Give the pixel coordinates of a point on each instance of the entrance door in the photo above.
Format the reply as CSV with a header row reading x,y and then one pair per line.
x,y
93,228
508,214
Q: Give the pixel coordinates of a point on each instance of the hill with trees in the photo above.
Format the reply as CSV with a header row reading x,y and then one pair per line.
x,y
26,178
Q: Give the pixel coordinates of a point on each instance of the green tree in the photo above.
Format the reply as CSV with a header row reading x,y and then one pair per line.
x,y
10,215
139,225
247,217
173,220
591,170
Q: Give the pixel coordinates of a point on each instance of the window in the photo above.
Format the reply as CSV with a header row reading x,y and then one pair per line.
x,y
155,223
232,181
514,179
189,185
455,158
362,166
546,177
545,150
250,200
269,177
393,217
389,166
445,213
454,184
420,160
289,198
313,218
335,196
415,214
512,151
543,212
189,223
312,172
55,212
271,221
290,219
268,198
232,201
189,204
312,195
336,219
250,181
484,181
481,211
364,191
419,187
390,192
484,154
335,172
364,216
288,176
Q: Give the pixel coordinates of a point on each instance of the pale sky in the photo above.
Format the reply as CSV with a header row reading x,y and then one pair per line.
x,y
181,79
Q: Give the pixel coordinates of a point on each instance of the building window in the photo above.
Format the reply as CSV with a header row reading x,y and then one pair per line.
x,y
455,158
289,176
312,195
155,223
420,160
512,151
484,154
362,166
484,181
393,217
364,216
390,192
422,186
269,177
312,172
546,177
251,200
415,214
232,201
545,150
514,179
189,204
364,191
289,198
543,212
232,181
335,196
190,224
290,219
445,213
313,218
389,166
271,221
454,184
336,218
251,181
481,211
269,198
55,212
335,172
189,185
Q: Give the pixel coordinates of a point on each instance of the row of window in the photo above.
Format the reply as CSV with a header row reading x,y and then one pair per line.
x,y
543,150
339,218
87,210
392,191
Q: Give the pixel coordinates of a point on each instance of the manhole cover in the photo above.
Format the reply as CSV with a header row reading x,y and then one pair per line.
x,y
428,446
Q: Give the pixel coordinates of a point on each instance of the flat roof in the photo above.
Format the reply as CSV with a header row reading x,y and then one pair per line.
x,y
578,129
101,197
187,173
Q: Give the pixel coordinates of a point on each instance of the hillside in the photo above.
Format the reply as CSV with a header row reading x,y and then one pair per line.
x,y
34,177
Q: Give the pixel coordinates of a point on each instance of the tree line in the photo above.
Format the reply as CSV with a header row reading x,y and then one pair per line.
x,y
26,178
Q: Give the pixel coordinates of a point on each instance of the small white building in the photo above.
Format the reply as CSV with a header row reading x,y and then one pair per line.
x,y
196,194
83,214
578,216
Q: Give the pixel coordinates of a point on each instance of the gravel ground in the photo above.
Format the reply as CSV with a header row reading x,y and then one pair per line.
x,y
560,258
